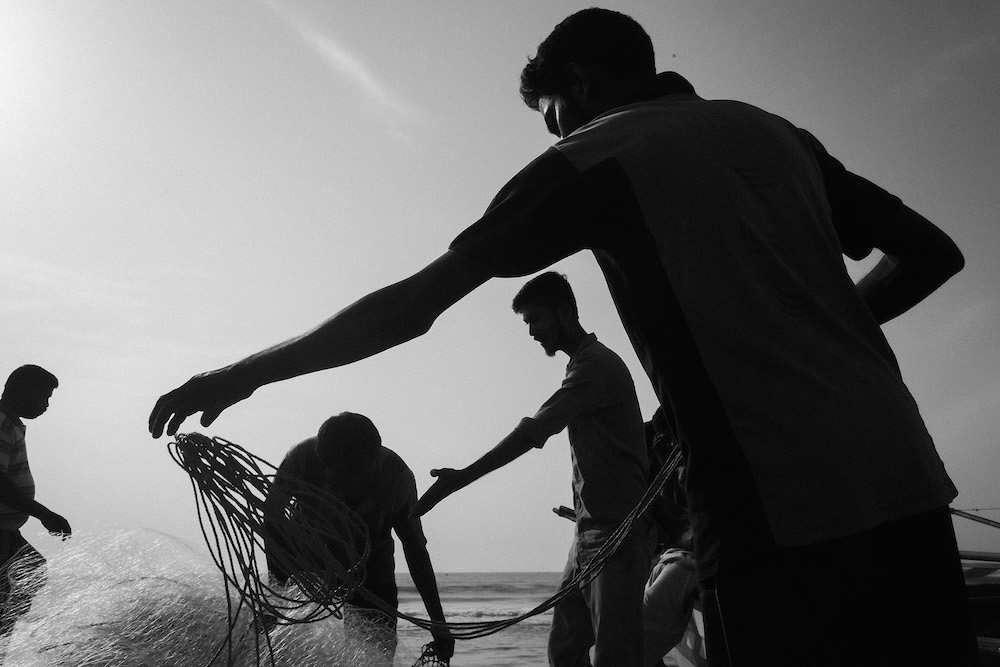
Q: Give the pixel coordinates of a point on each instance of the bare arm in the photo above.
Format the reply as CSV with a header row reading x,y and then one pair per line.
x,y
418,560
383,319
450,480
11,496
919,258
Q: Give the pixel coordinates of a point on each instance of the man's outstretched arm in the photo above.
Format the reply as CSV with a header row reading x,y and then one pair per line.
x,y
374,323
450,480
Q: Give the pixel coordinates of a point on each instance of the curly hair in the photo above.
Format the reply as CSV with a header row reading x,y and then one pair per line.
x,y
592,37
549,289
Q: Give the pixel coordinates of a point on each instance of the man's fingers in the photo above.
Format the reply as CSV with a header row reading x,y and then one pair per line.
x,y
175,423
209,416
156,418
435,472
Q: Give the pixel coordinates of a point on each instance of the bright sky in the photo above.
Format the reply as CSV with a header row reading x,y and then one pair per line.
x,y
185,183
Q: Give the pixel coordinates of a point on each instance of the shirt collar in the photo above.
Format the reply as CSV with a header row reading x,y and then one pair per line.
x,y
588,339
661,85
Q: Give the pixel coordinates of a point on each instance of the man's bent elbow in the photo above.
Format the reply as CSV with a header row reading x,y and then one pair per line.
x,y
955,261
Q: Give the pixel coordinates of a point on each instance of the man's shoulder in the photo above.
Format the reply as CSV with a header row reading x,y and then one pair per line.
x,y
599,354
598,363
393,462
302,453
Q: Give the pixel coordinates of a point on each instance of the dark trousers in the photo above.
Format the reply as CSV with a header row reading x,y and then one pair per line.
x,y
893,595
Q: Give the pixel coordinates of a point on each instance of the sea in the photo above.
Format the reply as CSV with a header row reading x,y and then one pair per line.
x,y
486,596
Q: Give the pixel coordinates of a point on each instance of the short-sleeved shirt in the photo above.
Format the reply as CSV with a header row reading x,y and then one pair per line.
x,y
14,465
720,229
387,507
598,404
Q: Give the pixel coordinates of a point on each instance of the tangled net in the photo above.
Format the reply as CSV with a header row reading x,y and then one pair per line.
x,y
137,598
477,629
144,599
242,513
303,531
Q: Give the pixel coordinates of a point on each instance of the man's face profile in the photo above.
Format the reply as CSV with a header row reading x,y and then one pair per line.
x,y
544,326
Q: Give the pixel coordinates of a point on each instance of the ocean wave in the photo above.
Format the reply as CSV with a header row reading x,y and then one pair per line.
x,y
459,615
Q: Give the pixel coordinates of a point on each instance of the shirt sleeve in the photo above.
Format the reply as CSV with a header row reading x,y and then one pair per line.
x,y
581,390
858,205
546,213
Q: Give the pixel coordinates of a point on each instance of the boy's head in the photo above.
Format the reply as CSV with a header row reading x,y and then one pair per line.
x,y
28,390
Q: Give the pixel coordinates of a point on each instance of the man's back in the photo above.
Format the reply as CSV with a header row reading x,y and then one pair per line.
x,y
720,228
385,502
385,505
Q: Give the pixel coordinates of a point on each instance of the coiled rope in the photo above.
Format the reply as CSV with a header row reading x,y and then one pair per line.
x,y
243,515
234,493
477,629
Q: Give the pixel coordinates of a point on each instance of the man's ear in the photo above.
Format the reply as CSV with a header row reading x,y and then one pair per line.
x,y
579,83
564,311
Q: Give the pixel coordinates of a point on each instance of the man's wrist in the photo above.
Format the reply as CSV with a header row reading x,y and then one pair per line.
x,y
244,376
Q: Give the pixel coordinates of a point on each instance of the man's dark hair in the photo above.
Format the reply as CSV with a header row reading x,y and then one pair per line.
x,y
349,437
549,289
592,37
27,379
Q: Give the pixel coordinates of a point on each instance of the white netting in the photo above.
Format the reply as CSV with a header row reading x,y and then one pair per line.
x,y
137,598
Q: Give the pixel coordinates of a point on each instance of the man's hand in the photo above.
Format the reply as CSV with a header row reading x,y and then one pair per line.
x,y
449,481
209,393
56,525
443,644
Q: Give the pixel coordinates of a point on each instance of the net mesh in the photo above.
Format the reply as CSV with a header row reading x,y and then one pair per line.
x,y
137,598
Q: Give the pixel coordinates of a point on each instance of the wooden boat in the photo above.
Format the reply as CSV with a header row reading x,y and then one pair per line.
x,y
982,582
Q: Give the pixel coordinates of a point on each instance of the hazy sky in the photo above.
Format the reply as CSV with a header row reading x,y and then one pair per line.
x,y
183,183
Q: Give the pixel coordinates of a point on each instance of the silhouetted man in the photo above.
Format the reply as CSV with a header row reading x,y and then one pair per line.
x,y
25,396
347,460
598,405
721,230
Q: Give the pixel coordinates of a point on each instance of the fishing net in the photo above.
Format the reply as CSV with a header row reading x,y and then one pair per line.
x,y
144,599
317,544
232,486
137,598
586,574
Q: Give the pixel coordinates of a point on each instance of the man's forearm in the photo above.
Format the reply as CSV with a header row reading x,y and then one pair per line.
x,y
372,324
418,561
450,481
918,259
507,450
